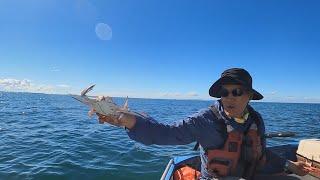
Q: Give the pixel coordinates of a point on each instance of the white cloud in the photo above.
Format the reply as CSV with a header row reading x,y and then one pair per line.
x,y
63,86
177,95
171,94
311,99
192,94
291,97
54,69
26,85
15,84
273,93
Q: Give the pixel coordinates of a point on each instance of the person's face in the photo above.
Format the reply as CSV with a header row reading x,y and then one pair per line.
x,y
234,99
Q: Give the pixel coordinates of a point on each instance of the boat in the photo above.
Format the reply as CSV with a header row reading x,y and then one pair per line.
x,y
288,151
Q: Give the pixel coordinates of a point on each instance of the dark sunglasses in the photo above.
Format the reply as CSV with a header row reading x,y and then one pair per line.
x,y
235,92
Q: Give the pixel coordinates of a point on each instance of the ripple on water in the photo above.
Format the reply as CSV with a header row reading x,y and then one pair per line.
x,y
54,138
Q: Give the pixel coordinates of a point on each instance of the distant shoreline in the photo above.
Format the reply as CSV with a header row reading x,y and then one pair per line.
x,y
282,102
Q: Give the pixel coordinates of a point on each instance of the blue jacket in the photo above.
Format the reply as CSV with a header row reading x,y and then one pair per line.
x,y
202,127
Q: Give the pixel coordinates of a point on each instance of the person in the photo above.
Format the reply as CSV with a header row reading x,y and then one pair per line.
x,y
230,132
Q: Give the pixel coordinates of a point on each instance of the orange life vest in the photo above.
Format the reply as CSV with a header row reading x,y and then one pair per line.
x,y
241,154
186,173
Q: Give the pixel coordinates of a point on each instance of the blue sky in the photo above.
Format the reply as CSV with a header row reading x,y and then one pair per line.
x,y
160,49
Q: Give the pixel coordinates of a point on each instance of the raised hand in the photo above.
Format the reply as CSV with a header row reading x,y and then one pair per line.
x,y
123,120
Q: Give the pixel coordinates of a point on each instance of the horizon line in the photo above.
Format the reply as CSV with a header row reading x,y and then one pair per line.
x,y
159,98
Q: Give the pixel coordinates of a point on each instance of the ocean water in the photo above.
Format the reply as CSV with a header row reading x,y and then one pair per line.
x,y
51,136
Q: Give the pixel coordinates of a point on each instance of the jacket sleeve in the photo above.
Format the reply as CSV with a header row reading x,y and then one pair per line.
x,y
148,131
274,164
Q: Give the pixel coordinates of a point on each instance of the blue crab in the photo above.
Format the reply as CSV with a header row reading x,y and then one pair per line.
x,y
101,104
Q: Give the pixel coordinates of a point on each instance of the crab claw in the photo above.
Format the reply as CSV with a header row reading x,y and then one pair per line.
x,y
101,98
91,112
85,91
126,106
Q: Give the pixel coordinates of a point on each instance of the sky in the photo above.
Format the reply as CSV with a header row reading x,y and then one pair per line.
x,y
160,49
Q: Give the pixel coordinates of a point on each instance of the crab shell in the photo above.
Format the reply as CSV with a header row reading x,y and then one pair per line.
x,y
105,106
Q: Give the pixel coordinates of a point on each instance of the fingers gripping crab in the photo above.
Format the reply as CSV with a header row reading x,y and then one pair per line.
x,y
102,104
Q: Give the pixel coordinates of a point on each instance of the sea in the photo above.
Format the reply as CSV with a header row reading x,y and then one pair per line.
x,y
51,136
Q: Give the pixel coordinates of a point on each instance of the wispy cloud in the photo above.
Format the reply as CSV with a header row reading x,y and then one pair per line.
x,y
192,94
26,85
311,99
291,99
273,92
54,69
63,86
172,94
189,95
15,84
